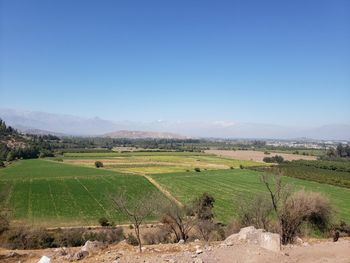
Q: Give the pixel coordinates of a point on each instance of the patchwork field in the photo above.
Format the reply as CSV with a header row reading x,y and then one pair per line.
x,y
258,156
73,192
46,193
157,162
230,186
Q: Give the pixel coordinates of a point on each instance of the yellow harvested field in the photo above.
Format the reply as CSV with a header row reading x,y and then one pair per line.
x,y
155,163
257,156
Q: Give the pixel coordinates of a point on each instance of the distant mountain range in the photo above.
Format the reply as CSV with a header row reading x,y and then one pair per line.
x,y
144,135
61,124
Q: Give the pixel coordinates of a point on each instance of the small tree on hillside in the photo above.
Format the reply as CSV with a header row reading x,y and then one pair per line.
x,y
203,209
137,209
179,220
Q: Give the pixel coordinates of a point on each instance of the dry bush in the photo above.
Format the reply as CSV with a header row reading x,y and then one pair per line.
x,y
255,212
108,236
70,237
233,228
205,228
38,238
303,207
218,233
160,235
26,238
210,231
178,220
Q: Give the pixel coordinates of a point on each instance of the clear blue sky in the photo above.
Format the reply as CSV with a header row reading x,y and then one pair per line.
x,y
280,62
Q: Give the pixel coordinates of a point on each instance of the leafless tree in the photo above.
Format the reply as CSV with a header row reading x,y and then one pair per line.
x,y
279,193
179,220
137,210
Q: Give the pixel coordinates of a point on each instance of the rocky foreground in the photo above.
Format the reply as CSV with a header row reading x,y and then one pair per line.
x,y
249,245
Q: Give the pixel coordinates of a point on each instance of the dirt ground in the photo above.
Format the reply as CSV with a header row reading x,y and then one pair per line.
x,y
258,156
197,252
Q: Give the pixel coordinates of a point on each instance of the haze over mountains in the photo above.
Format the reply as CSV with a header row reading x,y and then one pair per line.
x,y
42,122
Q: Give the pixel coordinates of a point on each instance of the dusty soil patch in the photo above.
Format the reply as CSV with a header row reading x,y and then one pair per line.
x,y
258,156
322,251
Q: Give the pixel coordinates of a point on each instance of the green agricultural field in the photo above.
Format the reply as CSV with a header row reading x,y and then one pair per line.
x,y
74,192
156,162
48,193
230,186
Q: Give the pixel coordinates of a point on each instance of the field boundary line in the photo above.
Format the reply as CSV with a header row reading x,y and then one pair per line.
x,y
163,190
91,195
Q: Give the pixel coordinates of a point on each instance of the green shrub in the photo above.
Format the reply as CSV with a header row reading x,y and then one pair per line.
x,y
104,222
98,164
132,240
197,169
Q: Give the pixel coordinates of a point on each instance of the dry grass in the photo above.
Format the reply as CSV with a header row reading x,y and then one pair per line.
x,y
153,163
257,156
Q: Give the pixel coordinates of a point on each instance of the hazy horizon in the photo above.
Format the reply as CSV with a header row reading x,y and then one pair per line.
x,y
70,124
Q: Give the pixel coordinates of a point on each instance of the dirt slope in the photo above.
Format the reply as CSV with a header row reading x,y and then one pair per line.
x,y
321,251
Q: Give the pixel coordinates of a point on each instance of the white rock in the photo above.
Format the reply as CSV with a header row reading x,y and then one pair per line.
x,y
298,241
263,239
199,251
270,241
44,259
92,246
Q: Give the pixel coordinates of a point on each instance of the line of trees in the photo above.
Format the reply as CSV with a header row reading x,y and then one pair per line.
x,y
341,152
274,159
